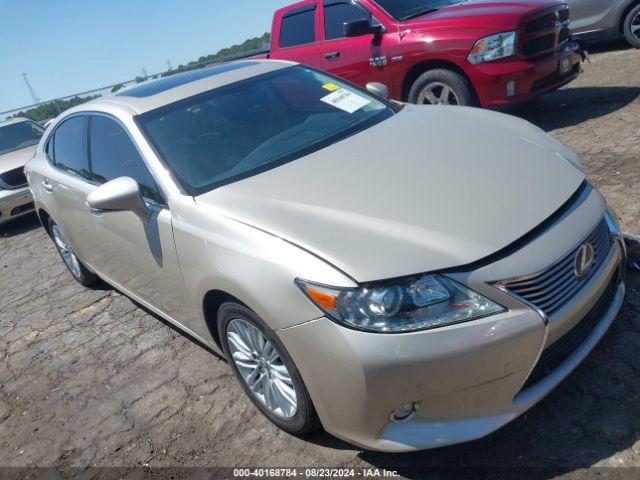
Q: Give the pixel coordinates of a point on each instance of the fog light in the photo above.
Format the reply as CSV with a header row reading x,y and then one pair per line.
x,y
511,89
404,413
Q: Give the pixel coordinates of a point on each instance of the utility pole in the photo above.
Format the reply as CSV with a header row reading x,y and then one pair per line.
x,y
33,94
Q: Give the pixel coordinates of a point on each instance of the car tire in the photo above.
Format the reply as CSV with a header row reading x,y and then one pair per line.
x,y
442,87
631,27
77,269
299,420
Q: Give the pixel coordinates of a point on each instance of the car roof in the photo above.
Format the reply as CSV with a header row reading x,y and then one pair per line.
x,y
167,90
11,121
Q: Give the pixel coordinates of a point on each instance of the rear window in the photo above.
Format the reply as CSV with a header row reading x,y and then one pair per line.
x,y
70,146
246,128
19,135
298,29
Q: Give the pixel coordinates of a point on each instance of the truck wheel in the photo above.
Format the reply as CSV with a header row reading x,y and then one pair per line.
x,y
442,87
632,27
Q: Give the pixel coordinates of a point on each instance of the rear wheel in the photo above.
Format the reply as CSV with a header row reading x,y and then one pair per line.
x,y
266,372
631,28
442,87
73,263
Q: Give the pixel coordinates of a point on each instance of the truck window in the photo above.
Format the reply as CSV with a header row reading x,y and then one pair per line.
x,y
298,28
336,15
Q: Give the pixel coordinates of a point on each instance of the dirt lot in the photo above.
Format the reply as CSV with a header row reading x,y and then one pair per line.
x,y
87,378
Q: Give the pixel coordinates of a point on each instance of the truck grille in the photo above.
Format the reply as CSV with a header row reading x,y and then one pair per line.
x,y
545,33
559,351
551,289
13,178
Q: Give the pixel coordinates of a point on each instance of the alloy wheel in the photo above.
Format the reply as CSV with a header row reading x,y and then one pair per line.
x,y
262,368
437,93
66,252
635,26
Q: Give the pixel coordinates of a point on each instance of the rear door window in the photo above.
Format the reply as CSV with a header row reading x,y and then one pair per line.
x,y
70,146
298,27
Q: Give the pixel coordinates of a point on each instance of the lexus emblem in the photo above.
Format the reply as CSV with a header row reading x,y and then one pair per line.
x,y
583,260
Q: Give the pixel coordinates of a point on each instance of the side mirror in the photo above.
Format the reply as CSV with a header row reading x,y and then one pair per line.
x,y
120,195
378,89
361,26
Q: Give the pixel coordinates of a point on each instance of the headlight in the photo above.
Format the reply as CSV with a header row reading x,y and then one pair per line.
x,y
493,47
408,305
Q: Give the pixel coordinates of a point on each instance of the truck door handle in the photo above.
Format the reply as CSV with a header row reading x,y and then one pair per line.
x,y
332,55
47,186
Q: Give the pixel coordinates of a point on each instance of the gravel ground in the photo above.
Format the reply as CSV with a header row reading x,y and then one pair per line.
x,y
88,378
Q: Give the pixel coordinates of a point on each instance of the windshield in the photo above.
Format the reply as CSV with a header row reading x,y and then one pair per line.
x,y
252,126
407,9
19,135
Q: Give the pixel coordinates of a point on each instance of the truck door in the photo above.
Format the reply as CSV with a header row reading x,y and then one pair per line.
x,y
294,36
360,59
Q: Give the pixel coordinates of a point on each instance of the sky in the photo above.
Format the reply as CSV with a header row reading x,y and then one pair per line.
x,y
71,46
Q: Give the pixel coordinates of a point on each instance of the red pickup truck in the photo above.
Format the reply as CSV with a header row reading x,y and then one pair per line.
x,y
479,52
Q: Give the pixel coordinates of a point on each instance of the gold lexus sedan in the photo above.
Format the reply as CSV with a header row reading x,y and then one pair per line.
x,y
405,276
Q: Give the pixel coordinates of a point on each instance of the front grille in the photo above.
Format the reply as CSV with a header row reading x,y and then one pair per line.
x,y
546,22
13,178
559,351
545,33
539,44
551,289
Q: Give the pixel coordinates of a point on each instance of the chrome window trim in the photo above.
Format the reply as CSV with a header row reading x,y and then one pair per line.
x,y
52,162
88,114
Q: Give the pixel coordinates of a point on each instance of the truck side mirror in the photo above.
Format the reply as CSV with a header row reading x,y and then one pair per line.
x,y
378,89
361,26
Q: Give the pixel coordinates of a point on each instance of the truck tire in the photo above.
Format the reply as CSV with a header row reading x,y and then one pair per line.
x,y
442,87
631,27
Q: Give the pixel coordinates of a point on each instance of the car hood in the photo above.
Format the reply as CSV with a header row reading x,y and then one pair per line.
x,y
17,158
481,14
428,189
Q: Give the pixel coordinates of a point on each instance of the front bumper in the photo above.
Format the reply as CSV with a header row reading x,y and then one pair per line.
x,y
467,379
530,78
15,203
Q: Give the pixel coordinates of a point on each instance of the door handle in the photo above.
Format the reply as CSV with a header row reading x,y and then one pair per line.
x,y
47,186
332,55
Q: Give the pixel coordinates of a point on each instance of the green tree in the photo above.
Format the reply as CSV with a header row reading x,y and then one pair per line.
x,y
54,108
248,47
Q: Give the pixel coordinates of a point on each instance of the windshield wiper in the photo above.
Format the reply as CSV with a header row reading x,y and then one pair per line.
x,y
419,14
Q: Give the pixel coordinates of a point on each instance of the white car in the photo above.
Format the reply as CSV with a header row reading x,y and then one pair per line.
x,y
18,140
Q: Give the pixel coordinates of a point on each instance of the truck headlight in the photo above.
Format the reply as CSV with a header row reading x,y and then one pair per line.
x,y
493,47
408,305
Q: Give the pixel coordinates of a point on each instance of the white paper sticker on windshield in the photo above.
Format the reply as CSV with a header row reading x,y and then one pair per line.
x,y
345,100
